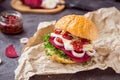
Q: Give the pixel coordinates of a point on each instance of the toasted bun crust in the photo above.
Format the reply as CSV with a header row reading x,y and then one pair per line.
x,y
79,26
62,60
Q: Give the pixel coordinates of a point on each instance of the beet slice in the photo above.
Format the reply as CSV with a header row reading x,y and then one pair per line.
x,y
32,3
27,2
69,53
11,52
36,3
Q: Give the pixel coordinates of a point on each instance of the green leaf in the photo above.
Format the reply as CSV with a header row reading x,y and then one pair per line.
x,y
50,49
46,38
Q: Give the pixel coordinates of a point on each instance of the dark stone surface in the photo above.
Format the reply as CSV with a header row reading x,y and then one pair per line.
x,y
30,25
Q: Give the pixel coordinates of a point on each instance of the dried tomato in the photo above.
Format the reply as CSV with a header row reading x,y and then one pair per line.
x,y
85,41
59,40
77,45
57,31
67,35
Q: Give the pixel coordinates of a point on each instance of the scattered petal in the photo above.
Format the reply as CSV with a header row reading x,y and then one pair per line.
x,y
11,52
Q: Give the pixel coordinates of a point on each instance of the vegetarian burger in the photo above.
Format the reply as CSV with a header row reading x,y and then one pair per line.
x,y
71,40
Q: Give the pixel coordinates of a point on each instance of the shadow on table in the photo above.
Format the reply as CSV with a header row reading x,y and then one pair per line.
x,y
1,7
95,74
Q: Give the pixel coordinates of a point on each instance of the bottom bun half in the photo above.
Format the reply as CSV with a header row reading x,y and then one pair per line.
x,y
56,57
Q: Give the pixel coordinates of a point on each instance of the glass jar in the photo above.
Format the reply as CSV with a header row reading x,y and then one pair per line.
x,y
11,22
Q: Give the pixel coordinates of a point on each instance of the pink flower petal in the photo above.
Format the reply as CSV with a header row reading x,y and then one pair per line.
x,y
11,52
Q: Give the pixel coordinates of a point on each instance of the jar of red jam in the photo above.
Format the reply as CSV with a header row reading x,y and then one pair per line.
x,y
11,22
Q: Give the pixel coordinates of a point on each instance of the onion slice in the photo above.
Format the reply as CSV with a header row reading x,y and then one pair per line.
x,y
57,43
91,52
79,55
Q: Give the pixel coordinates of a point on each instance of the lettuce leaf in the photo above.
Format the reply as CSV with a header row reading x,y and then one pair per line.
x,y
50,49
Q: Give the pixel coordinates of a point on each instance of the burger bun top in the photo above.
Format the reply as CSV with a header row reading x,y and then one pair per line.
x,y
79,26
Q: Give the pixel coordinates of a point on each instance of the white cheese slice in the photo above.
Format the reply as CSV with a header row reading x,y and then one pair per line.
x,y
67,43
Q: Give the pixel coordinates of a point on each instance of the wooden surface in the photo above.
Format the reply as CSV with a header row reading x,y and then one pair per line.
x,y
30,23
18,5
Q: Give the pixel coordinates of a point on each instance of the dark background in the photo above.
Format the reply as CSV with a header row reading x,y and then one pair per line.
x,y
30,23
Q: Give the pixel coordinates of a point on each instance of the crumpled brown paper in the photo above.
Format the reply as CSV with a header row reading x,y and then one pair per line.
x,y
33,61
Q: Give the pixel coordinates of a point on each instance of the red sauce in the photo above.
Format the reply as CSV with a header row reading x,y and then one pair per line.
x,y
11,23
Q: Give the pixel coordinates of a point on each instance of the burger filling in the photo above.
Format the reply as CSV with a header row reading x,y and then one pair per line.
x,y
69,46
